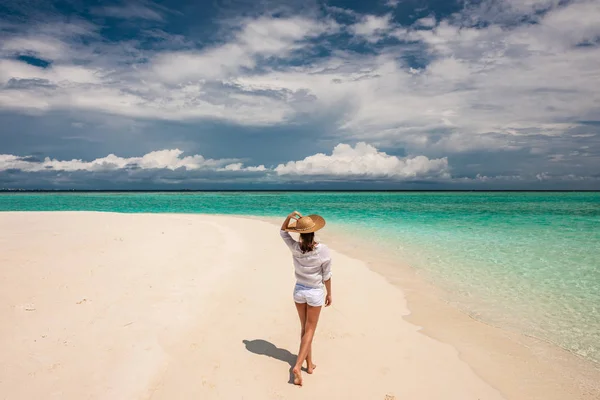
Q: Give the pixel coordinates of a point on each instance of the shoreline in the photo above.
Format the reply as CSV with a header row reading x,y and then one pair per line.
x,y
512,364
550,371
163,306
520,366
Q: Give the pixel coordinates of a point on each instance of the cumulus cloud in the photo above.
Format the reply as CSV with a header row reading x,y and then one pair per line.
x,y
365,161
240,167
170,169
480,80
162,159
426,22
362,160
372,27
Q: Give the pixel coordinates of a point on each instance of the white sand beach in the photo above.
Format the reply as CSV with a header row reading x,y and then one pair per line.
x,y
140,306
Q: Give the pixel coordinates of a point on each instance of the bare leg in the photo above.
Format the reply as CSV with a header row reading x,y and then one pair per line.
x,y
310,366
302,308
312,317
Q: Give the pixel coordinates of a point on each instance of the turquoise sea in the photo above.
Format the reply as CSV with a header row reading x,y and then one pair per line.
x,y
524,261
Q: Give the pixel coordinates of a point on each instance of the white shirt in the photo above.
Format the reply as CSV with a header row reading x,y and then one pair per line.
x,y
311,268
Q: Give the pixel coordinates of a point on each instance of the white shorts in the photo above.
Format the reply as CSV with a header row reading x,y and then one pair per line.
x,y
314,297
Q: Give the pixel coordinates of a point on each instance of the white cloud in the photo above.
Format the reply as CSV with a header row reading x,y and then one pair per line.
x,y
340,10
262,37
426,22
240,167
572,25
492,88
45,47
372,27
49,41
62,75
365,161
504,11
497,87
129,11
345,162
175,85
162,159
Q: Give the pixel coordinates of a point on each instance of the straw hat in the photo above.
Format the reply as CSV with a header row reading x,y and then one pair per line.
x,y
310,223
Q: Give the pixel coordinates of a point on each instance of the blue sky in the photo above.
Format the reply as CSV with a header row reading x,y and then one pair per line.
x,y
300,94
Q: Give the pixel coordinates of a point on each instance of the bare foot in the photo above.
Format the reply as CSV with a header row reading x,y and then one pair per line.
x,y
311,367
297,376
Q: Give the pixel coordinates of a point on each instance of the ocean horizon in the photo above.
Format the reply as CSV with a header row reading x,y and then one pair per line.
x,y
12,190
520,260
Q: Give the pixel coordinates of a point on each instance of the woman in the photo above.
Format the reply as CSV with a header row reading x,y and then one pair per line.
x,y
312,264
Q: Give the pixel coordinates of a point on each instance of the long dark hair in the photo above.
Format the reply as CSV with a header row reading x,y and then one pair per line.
x,y
307,242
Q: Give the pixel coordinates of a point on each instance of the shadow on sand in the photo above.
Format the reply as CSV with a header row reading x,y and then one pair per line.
x,y
268,349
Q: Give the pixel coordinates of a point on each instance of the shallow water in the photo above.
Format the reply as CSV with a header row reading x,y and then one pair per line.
x,y
525,261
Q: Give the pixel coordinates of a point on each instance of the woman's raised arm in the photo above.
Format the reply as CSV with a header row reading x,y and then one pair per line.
x,y
286,223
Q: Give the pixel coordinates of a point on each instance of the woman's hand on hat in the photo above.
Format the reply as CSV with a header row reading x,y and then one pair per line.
x,y
296,215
